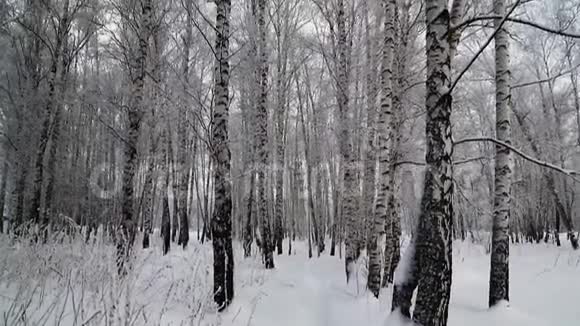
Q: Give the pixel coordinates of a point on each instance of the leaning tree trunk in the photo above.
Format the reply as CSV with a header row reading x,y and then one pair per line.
x,y
385,147
262,138
433,248
221,221
499,271
126,236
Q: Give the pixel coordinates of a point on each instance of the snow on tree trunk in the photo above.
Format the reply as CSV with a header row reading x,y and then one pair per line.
x,y
434,246
126,234
221,222
385,144
499,271
406,280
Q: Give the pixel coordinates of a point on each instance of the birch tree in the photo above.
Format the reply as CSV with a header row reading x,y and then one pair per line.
x,y
369,188
386,136
348,159
499,272
262,137
182,209
221,222
429,254
135,112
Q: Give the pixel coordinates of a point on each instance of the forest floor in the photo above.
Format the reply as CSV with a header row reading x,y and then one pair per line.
x,y
72,283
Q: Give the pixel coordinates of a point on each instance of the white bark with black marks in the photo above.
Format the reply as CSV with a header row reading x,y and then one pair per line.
x,y
433,249
221,222
499,271
385,137
127,228
262,138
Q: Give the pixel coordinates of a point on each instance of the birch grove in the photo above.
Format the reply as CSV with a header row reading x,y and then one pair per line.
x,y
388,135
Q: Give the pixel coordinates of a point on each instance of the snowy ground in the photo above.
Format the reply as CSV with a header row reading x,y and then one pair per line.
x,y
75,284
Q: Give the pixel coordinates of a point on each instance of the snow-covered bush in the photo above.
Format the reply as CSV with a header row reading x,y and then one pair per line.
x,y
68,281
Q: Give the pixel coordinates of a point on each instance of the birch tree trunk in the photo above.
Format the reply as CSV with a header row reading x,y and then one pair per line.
x,y
165,215
126,235
393,225
39,169
182,210
148,193
149,186
262,138
312,219
172,167
349,173
280,127
3,192
221,222
370,161
434,244
279,169
499,272
56,119
248,229
385,144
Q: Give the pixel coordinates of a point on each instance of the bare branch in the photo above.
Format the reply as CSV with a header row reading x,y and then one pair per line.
x,y
460,162
545,80
560,32
487,42
570,173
